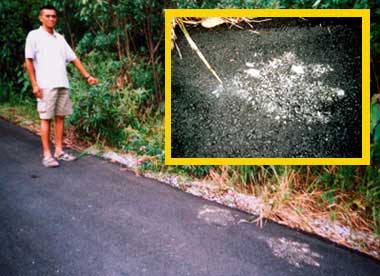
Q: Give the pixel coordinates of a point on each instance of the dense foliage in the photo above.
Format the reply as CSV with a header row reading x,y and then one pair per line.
x,y
120,42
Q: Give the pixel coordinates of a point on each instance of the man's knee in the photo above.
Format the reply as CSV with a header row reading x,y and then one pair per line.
x,y
45,121
45,125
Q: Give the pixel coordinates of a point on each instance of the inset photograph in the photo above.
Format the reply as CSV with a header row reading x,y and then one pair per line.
x,y
266,87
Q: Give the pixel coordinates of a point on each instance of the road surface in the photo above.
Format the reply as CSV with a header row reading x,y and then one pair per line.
x,y
89,217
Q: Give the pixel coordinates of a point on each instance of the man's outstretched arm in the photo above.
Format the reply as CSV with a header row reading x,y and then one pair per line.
x,y
90,79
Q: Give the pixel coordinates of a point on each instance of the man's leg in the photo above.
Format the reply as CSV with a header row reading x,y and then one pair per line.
x,y
45,137
59,153
58,131
63,108
45,107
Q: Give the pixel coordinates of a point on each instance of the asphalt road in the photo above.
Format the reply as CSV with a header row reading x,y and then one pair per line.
x,y
90,217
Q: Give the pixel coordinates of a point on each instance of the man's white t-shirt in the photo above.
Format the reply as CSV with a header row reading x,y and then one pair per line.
x,y
50,54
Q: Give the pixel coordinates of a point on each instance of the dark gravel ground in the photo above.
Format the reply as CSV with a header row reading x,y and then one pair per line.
x,y
293,90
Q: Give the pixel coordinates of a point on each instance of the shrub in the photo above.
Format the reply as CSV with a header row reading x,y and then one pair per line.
x,y
97,114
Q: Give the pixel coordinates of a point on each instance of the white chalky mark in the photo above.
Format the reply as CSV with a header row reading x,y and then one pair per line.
x,y
217,91
298,69
295,253
253,72
241,87
271,107
319,69
216,94
340,92
215,216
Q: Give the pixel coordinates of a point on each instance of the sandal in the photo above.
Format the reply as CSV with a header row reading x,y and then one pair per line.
x,y
66,156
50,162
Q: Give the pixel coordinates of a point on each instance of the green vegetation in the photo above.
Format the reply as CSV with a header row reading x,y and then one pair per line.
x,y
121,42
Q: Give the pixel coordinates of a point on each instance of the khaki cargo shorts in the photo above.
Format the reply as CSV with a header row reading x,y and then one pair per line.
x,y
54,102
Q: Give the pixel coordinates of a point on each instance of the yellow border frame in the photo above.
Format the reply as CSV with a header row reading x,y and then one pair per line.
x,y
363,13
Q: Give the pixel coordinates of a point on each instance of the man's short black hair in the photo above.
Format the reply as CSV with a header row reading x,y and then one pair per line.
x,y
48,7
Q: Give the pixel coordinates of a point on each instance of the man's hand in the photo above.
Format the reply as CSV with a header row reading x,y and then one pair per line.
x,y
92,81
37,91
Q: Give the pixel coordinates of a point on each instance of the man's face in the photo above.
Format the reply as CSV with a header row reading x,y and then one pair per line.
x,y
48,18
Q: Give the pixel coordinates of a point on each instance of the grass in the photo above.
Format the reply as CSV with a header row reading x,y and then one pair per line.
x,y
24,114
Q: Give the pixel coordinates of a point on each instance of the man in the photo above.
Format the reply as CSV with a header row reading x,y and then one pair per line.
x,y
46,56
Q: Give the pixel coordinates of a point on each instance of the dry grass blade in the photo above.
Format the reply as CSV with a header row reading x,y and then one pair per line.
x,y
195,48
211,22
178,50
173,35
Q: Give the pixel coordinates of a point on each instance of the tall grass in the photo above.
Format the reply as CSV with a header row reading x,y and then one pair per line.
x,y
351,193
